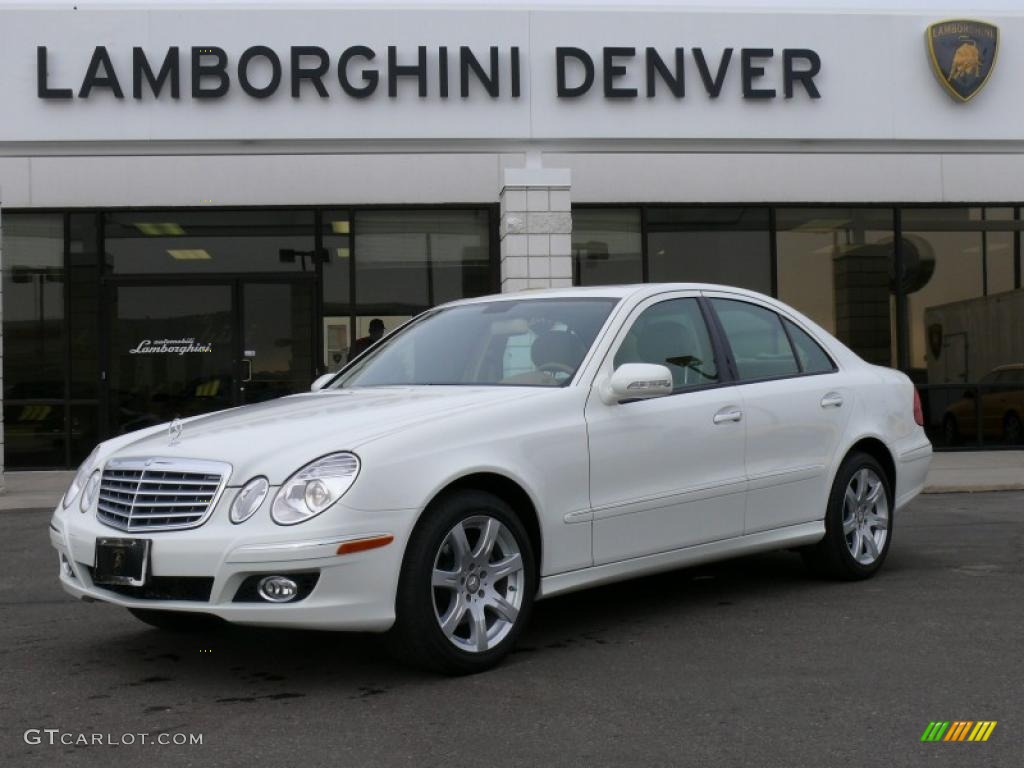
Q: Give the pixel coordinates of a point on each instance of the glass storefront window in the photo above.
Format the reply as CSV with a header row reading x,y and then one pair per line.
x,y
731,246
205,242
963,323
408,261
34,341
835,265
381,267
84,305
997,248
237,285
336,231
607,246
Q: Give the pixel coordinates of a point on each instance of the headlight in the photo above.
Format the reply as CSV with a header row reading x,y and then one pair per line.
x,y
92,490
80,478
249,499
314,488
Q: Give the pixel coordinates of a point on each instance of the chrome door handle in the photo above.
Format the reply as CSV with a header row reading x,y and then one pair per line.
x,y
832,400
728,414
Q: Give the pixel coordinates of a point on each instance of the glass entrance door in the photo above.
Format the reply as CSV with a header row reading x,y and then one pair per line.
x,y
172,353
277,339
183,349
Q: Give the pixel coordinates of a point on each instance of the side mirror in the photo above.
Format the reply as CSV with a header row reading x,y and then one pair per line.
x,y
321,381
638,381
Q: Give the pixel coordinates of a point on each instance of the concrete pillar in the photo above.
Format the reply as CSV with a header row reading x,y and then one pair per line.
x,y
536,229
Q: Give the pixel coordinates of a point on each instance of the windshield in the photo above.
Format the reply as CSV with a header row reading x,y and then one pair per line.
x,y
528,342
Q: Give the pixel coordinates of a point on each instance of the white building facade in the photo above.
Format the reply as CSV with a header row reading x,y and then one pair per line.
x,y
204,206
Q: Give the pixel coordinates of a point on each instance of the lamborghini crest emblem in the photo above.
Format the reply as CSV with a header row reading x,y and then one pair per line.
x,y
963,53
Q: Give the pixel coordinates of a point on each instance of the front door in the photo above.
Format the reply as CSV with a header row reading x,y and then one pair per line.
x,y
180,349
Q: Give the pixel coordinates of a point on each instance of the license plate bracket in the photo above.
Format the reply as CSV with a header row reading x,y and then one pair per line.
x,y
123,562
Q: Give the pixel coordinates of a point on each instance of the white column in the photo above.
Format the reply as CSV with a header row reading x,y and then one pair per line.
x,y
536,229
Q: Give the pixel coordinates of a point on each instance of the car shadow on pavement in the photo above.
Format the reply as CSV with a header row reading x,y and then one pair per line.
x,y
235,664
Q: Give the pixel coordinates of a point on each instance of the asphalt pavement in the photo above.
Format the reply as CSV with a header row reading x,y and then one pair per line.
x,y
746,663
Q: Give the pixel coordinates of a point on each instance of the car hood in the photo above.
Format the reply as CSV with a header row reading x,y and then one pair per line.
x,y
278,436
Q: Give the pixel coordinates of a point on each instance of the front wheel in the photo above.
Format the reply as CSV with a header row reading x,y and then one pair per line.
x,y
858,522
466,587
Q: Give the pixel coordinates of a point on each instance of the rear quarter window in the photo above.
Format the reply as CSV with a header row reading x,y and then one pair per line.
x,y
813,359
758,341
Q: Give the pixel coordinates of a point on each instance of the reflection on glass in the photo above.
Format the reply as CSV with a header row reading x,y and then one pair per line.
x,y
964,323
998,249
730,246
835,265
203,242
410,260
607,245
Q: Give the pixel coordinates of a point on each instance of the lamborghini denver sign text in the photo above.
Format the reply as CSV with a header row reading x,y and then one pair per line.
x,y
360,72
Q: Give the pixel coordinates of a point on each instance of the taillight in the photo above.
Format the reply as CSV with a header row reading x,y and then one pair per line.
x,y
918,412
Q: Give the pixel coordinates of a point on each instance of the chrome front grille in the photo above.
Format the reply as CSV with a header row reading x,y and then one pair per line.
x,y
157,494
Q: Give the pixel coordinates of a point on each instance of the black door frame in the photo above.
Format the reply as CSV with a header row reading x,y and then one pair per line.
x,y
236,282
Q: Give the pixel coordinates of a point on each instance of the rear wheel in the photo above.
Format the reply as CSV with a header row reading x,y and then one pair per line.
x,y
950,430
858,522
467,585
1013,429
175,621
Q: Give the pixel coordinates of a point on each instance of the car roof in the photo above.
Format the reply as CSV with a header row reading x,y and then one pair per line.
x,y
638,290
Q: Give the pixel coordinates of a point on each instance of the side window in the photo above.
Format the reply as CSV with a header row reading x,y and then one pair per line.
x,y
813,359
758,341
672,333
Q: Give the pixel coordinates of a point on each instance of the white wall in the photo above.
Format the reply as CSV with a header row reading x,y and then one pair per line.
x,y
876,81
884,129
433,177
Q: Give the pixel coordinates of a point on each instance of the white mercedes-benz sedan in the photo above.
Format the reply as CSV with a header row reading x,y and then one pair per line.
x,y
499,450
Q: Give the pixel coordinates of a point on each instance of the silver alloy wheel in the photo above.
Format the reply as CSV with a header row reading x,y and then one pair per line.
x,y
478,583
865,516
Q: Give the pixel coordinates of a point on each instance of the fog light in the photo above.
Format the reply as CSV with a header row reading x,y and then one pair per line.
x,y
66,568
277,589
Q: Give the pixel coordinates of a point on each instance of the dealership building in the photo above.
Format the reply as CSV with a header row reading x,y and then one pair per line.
x,y
206,206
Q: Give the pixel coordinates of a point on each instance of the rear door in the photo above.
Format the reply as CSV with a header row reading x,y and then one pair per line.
x,y
795,405
667,472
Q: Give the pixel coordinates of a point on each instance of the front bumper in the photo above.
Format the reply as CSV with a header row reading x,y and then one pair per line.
x,y
353,591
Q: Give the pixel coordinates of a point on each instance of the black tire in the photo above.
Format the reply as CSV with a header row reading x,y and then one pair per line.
x,y
832,556
1013,429
176,621
950,430
417,637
